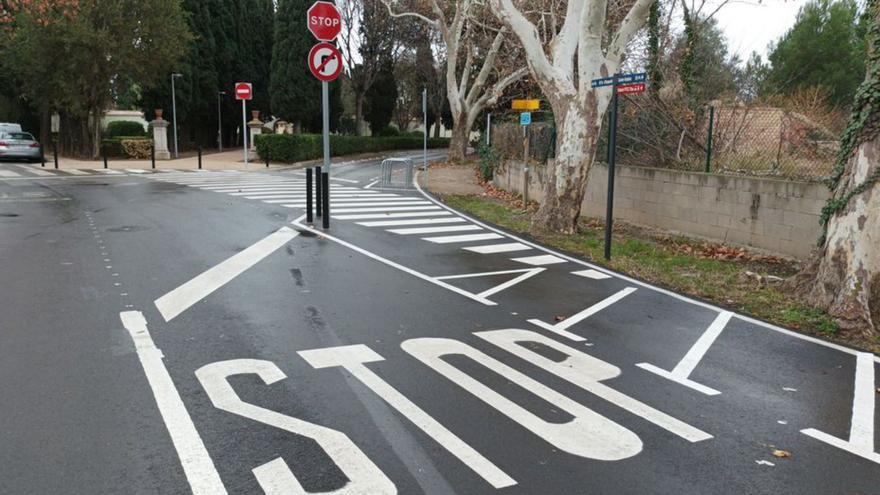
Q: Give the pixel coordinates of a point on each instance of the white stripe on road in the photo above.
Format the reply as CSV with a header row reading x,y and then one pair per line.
x,y
498,248
35,171
301,203
416,221
197,464
390,215
135,171
861,433
561,327
392,208
108,171
74,171
451,239
540,260
301,194
527,273
8,173
682,371
352,359
435,230
593,274
180,299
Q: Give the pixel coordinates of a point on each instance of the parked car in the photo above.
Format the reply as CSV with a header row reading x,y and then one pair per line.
x,y
19,146
7,127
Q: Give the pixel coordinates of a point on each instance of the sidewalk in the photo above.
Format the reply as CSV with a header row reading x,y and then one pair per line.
x,y
227,160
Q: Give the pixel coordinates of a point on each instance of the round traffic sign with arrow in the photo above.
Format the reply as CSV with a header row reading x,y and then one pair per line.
x,y
325,62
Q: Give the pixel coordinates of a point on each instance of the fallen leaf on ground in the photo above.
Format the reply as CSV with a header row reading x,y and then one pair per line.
x,y
560,317
781,453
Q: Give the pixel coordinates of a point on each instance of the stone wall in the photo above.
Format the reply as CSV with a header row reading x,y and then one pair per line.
x,y
773,215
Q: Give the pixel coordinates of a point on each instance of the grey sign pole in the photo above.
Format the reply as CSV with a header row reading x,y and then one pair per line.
x,y
219,122
244,130
325,102
174,111
425,145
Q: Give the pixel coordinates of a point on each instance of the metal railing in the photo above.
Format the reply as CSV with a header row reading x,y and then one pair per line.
x,y
396,173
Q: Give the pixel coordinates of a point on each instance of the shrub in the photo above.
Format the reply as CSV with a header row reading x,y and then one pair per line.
x,y
121,128
388,131
291,148
137,148
489,160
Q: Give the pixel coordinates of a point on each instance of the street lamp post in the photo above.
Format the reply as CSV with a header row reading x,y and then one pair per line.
x,y
219,122
174,110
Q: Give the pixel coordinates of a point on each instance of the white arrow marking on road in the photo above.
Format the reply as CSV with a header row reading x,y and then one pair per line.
x,y
352,359
197,464
682,371
861,432
560,328
180,299
527,273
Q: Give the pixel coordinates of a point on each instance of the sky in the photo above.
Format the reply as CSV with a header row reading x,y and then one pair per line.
x,y
752,26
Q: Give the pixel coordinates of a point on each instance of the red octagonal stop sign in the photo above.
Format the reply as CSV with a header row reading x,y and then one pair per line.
x,y
323,21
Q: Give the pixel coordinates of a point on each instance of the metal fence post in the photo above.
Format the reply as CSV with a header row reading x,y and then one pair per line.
x,y
709,139
318,183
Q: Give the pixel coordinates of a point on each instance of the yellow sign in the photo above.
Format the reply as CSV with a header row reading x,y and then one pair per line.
x,y
526,104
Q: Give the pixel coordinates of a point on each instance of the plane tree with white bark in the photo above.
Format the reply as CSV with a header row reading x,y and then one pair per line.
x,y
590,43
479,58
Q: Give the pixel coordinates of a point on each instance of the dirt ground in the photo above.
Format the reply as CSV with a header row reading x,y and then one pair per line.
x,y
445,179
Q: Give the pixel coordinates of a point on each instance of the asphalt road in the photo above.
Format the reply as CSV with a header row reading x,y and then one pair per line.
x,y
184,332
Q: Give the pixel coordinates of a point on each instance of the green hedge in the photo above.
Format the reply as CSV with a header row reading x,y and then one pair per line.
x,y
291,148
121,128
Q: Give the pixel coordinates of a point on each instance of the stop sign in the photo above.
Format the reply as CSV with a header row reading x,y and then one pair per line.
x,y
244,91
323,21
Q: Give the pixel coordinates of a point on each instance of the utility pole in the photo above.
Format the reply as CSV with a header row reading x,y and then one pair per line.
x,y
219,121
174,110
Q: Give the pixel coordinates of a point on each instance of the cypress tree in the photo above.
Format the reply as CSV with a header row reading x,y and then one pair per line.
x,y
295,93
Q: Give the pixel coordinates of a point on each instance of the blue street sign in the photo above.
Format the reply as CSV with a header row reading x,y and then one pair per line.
x,y
525,118
636,77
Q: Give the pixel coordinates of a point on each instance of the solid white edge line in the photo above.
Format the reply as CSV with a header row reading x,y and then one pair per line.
x,y
183,297
194,458
646,285
427,278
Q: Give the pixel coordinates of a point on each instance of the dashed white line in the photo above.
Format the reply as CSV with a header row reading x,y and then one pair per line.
x,y
453,239
435,230
498,248
540,260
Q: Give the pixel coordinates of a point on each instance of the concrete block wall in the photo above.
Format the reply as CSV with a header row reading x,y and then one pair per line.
x,y
778,216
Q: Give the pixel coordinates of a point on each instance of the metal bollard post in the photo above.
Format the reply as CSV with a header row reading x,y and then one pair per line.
x,y
318,183
104,152
43,156
309,217
200,157
55,152
325,184
153,155
267,161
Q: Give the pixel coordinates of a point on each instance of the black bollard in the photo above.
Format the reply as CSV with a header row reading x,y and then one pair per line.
x,y
43,156
267,162
309,217
318,203
200,157
55,152
104,153
325,185
153,155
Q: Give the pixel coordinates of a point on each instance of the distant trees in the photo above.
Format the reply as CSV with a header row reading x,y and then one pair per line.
x,y
824,48
295,92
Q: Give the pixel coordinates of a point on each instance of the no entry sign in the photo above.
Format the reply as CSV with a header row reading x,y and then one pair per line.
x,y
325,62
324,21
244,91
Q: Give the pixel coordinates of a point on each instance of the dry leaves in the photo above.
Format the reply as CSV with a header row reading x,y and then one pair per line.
x,y
708,250
781,453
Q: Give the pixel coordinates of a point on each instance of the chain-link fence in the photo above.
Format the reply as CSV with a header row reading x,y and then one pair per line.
x,y
729,139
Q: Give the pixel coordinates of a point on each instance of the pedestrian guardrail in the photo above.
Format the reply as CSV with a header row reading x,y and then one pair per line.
x,y
396,173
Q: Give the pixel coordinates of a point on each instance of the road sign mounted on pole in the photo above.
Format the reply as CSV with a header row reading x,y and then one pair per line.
x,y
325,62
324,21
525,118
629,89
244,91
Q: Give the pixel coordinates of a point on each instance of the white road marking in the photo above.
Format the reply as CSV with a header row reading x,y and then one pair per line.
x,y
353,358
35,171
452,239
861,432
390,208
416,221
9,173
371,184
588,434
389,215
347,203
593,274
498,248
135,171
180,299
427,278
561,327
540,260
686,366
275,477
392,199
527,273
74,171
197,464
586,372
108,171
434,230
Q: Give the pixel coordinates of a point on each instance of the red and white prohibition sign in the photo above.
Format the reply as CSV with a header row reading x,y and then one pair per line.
x,y
325,62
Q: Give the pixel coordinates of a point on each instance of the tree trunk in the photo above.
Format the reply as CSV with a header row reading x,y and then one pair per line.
x,y
359,126
458,145
437,128
577,132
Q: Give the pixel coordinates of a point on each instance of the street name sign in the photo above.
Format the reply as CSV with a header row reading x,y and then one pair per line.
x,y
526,104
325,62
244,91
621,79
324,21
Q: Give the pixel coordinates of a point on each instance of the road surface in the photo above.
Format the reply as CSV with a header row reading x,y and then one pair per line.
x,y
185,331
